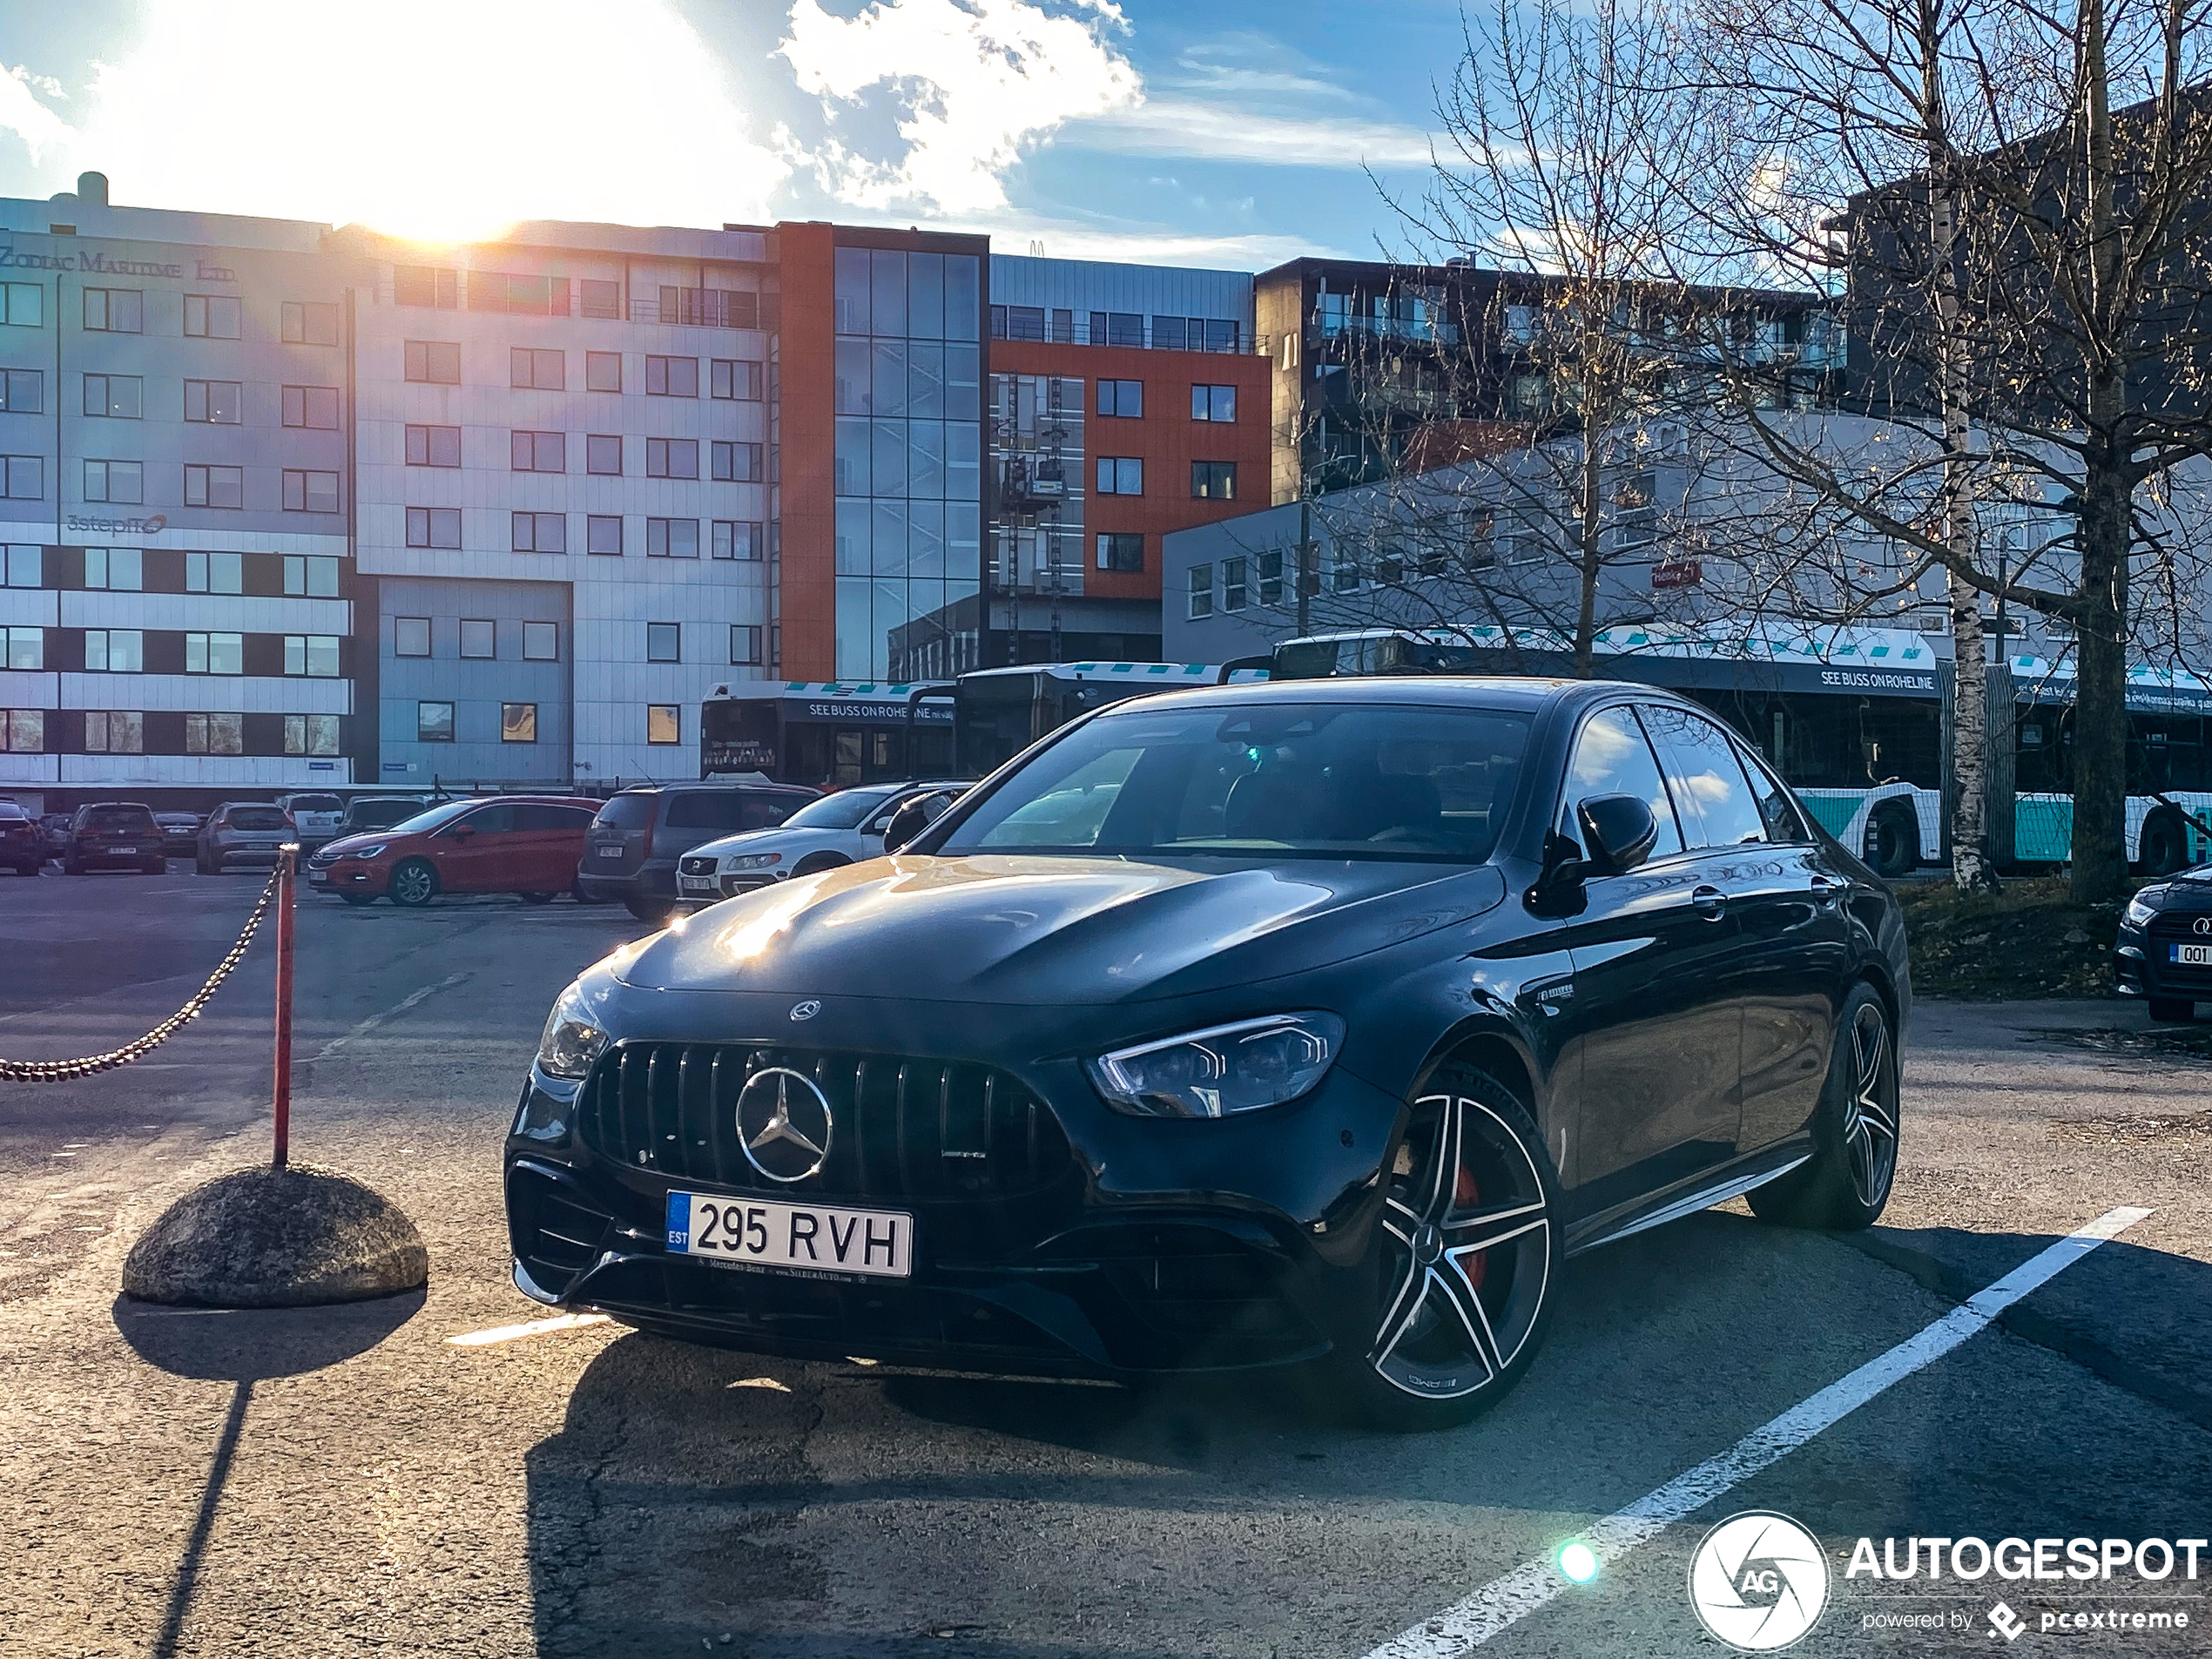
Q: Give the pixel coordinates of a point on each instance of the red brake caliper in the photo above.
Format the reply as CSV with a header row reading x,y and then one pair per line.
x,y
1466,1196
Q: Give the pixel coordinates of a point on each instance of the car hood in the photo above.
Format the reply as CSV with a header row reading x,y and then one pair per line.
x,y
345,844
1039,930
763,840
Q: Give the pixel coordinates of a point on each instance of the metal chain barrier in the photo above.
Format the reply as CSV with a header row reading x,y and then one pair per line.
x,y
54,1071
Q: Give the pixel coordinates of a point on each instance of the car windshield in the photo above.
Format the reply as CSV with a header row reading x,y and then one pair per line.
x,y
626,812
846,810
379,814
432,818
1299,780
255,817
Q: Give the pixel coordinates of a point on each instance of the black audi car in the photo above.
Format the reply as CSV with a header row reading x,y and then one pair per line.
x,y
1234,1028
2164,951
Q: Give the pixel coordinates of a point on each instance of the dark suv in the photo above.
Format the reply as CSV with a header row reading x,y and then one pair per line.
x,y
21,844
630,855
112,835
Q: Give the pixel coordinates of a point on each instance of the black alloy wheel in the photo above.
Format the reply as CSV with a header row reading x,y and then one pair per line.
x,y
1846,1181
413,883
1465,1256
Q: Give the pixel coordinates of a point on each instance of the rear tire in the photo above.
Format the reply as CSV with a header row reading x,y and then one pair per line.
x,y
537,897
654,912
70,867
1845,1184
1892,840
413,883
2165,845
2172,1010
1461,1268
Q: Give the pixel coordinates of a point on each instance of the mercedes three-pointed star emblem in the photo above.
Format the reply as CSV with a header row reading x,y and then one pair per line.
x,y
783,1123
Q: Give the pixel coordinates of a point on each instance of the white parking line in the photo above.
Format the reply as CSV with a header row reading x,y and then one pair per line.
x,y
393,1013
1505,1602
535,1328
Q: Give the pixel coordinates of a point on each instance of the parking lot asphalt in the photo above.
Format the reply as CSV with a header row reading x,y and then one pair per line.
x,y
350,1481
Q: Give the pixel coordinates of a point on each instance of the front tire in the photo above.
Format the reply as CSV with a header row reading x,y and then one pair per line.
x,y
1892,841
1846,1183
360,901
2164,846
1463,1264
2172,1010
413,883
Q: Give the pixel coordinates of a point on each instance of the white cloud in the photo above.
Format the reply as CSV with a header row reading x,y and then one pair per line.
x,y
22,113
1171,126
975,82
434,118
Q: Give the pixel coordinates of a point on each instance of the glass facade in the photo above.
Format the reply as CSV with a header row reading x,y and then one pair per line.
x,y
909,452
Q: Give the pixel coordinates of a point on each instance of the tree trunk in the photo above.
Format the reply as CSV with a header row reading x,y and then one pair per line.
x,y
2101,696
1591,559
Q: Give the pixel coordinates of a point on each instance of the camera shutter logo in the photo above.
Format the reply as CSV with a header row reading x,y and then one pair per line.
x,y
783,1123
1759,1581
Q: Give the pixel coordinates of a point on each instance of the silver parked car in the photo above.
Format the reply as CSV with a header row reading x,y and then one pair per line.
x,y
241,835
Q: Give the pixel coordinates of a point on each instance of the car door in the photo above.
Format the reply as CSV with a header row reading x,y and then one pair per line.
x,y
1653,1023
555,838
474,852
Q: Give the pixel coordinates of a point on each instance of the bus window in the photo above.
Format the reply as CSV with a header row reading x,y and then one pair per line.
x,y
737,735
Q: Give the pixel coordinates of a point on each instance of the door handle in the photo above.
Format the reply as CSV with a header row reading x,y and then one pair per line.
x,y
1823,890
1708,902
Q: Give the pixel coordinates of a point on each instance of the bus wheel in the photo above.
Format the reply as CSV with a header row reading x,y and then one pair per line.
x,y
2165,845
1892,841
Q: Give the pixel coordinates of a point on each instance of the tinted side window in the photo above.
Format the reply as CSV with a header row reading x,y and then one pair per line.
x,y
541,817
1611,758
1777,809
491,820
703,809
1705,779
627,813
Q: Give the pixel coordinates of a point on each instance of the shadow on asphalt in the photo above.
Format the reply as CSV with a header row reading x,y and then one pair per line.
x,y
252,1344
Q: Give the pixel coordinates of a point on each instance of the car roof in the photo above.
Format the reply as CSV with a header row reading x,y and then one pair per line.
x,y
1529,693
712,784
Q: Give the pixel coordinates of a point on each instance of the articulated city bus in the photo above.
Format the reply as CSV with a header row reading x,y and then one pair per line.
x,y
828,734
997,713
1854,718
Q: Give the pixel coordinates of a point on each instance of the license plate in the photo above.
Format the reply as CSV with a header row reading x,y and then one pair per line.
x,y
875,1242
610,851
123,852
696,883
2189,955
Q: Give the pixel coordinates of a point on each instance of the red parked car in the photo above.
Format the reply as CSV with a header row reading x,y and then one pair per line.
x,y
524,844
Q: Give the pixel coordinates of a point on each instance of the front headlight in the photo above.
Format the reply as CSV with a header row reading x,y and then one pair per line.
x,y
752,861
572,1041
1225,1068
365,852
2143,907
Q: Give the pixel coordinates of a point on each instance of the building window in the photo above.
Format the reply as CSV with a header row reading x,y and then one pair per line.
x,y
214,653
736,378
518,723
671,538
115,650
1201,590
215,402
672,458
113,397
114,732
538,532
309,322
435,361
1121,475
737,538
521,296
662,725
536,368
601,298
214,487
426,284
26,647
539,451
313,407
1271,578
23,391
1344,574
603,371
479,638
310,492
1213,403
745,644
1123,398
602,453
311,734
434,527
214,734
1213,481
603,534
671,377
541,642
433,446
1121,551
214,573
113,481
120,311
313,575
23,732
433,722
23,565
737,463
664,641
1232,584
410,635
22,477
23,305
119,570
212,316
314,656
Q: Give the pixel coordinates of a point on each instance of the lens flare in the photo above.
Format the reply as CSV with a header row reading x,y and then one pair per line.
x,y
1577,1561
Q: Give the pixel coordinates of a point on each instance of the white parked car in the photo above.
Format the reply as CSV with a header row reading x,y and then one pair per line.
x,y
315,818
842,829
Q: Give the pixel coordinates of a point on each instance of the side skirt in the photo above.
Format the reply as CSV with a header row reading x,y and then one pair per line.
x,y
1711,1190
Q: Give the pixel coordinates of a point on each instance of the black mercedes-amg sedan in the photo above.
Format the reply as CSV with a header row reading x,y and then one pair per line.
x,y
1301,1022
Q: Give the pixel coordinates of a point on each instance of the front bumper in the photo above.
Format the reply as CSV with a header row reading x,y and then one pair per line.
x,y
2140,967
347,876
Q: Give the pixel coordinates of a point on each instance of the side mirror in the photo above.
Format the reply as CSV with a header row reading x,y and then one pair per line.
x,y
461,831
906,823
1619,832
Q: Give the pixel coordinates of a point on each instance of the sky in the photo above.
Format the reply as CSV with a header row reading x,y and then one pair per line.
x,y
1225,133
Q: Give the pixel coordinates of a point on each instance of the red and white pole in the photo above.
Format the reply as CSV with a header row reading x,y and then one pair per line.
x,y
287,864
